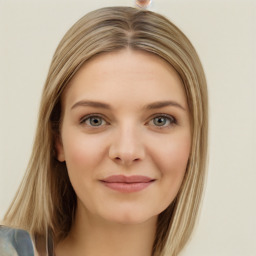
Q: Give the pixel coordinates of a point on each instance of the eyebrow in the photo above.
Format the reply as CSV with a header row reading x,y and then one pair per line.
x,y
155,105
162,104
88,103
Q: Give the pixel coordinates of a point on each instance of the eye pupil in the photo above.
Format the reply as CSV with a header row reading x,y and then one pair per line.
x,y
159,121
95,121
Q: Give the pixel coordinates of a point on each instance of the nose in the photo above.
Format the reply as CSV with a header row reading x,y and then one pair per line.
x,y
127,147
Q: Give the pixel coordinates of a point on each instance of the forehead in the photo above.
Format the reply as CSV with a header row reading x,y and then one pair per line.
x,y
125,75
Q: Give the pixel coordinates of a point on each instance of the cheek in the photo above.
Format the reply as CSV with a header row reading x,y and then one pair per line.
x,y
175,157
83,156
172,153
82,153
172,161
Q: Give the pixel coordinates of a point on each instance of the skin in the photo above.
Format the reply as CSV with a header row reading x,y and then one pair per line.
x,y
133,136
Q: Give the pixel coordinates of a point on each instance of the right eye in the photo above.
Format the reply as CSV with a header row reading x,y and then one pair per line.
x,y
93,121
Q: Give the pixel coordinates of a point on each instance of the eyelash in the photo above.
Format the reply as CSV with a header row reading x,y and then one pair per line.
x,y
168,118
172,120
88,117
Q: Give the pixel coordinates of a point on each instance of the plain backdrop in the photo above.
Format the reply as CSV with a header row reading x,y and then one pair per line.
x,y
223,32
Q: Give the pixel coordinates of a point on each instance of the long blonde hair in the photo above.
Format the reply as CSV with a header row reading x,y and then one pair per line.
x,y
45,199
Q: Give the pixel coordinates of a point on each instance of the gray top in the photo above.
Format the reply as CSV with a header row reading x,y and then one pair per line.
x,y
15,242
18,242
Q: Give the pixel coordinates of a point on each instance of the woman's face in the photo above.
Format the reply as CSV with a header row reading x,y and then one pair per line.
x,y
125,136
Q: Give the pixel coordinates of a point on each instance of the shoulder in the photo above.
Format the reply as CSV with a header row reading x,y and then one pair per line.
x,y
15,242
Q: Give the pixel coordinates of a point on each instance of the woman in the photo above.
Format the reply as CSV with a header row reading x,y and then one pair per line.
x,y
121,143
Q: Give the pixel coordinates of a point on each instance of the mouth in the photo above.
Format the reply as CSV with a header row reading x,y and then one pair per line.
x,y
127,184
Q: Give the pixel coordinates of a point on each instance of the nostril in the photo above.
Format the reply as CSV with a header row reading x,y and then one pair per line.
x,y
126,152
126,160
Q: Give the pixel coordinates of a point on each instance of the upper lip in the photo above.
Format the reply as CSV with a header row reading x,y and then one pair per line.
x,y
127,179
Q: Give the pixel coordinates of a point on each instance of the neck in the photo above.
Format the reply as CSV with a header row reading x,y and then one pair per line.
x,y
92,236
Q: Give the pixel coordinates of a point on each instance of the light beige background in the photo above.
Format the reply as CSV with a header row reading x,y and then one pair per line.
x,y
223,33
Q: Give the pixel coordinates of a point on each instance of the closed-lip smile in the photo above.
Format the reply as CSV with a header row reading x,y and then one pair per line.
x,y
127,184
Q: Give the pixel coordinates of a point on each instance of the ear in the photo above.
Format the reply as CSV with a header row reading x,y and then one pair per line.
x,y
59,149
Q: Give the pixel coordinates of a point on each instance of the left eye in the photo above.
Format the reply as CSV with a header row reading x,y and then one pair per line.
x,y
162,121
94,121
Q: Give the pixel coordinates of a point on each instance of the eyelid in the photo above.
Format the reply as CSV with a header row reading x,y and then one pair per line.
x,y
84,118
172,119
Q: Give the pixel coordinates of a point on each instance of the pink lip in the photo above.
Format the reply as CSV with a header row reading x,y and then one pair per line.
x,y
127,184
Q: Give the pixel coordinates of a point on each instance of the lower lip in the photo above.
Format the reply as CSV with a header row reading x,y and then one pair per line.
x,y
127,187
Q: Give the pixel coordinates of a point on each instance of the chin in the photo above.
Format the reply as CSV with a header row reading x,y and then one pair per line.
x,y
133,216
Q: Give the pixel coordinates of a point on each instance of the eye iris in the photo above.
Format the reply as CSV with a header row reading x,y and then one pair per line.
x,y
95,121
159,121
